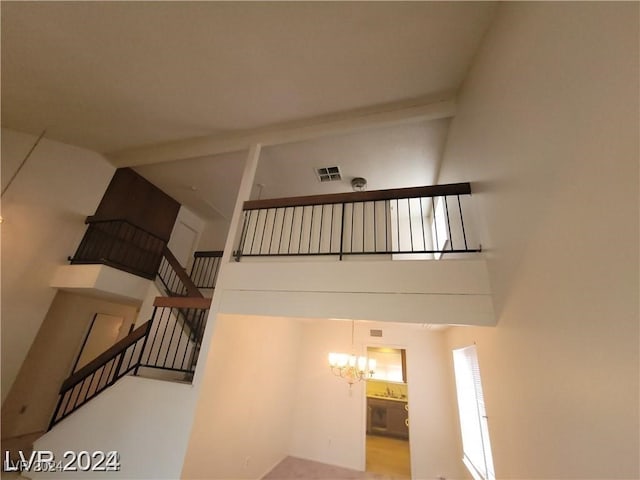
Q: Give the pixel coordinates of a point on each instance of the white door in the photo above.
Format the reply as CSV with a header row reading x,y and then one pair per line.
x,y
183,242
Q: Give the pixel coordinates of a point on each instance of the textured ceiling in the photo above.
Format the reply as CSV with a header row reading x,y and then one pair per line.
x,y
113,75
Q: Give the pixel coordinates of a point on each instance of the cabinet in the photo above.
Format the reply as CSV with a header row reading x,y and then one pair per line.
x,y
387,417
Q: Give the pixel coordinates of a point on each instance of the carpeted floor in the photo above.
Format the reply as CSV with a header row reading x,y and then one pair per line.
x,y
296,468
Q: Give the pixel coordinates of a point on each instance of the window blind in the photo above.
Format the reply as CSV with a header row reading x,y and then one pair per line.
x,y
473,417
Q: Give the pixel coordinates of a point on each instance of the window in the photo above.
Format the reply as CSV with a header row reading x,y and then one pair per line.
x,y
473,417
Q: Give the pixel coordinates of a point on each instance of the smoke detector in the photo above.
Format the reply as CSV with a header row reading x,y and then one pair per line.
x,y
359,184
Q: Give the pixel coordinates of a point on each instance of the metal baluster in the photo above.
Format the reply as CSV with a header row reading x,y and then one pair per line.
x,y
186,349
342,231
375,229
436,247
301,226
333,205
284,214
424,238
446,208
273,229
410,223
176,323
464,235
386,225
255,229
364,215
264,228
293,221
398,221
321,222
353,207
311,228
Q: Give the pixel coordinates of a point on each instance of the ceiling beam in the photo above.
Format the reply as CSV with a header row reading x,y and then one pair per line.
x,y
375,117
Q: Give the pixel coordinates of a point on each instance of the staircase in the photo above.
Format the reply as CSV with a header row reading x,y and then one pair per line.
x,y
165,347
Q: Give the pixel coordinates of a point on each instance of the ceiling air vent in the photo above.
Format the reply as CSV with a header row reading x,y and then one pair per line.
x,y
375,333
328,174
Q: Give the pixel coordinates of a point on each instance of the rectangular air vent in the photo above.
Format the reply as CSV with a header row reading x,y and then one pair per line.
x,y
375,333
328,174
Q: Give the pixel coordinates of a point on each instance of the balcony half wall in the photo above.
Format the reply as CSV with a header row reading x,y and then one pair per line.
x,y
453,291
101,281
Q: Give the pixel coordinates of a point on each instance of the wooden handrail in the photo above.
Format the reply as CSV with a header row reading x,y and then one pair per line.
x,y
192,290
208,253
106,356
373,195
182,302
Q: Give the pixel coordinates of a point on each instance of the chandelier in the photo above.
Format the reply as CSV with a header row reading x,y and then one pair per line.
x,y
351,367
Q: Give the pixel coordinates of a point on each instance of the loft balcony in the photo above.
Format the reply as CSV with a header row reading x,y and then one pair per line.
x,y
407,255
423,222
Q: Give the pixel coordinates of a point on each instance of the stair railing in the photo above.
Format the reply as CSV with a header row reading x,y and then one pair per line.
x,y
174,277
169,341
204,270
120,244
100,373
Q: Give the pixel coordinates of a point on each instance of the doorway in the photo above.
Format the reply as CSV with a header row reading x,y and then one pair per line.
x,y
387,431
183,242
104,331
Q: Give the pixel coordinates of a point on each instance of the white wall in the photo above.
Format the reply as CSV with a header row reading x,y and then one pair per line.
x,y
43,214
101,281
147,421
33,396
185,236
214,235
329,418
427,291
547,132
242,423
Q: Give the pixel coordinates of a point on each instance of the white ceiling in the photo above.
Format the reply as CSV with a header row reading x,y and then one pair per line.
x,y
392,157
111,76
208,185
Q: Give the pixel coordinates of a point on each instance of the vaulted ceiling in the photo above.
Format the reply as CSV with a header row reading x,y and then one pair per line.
x,y
110,76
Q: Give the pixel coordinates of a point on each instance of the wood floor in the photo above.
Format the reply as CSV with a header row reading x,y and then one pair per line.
x,y
388,456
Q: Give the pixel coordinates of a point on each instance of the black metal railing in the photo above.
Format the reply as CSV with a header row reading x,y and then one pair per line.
x,y
170,341
174,278
175,337
204,271
122,245
418,220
